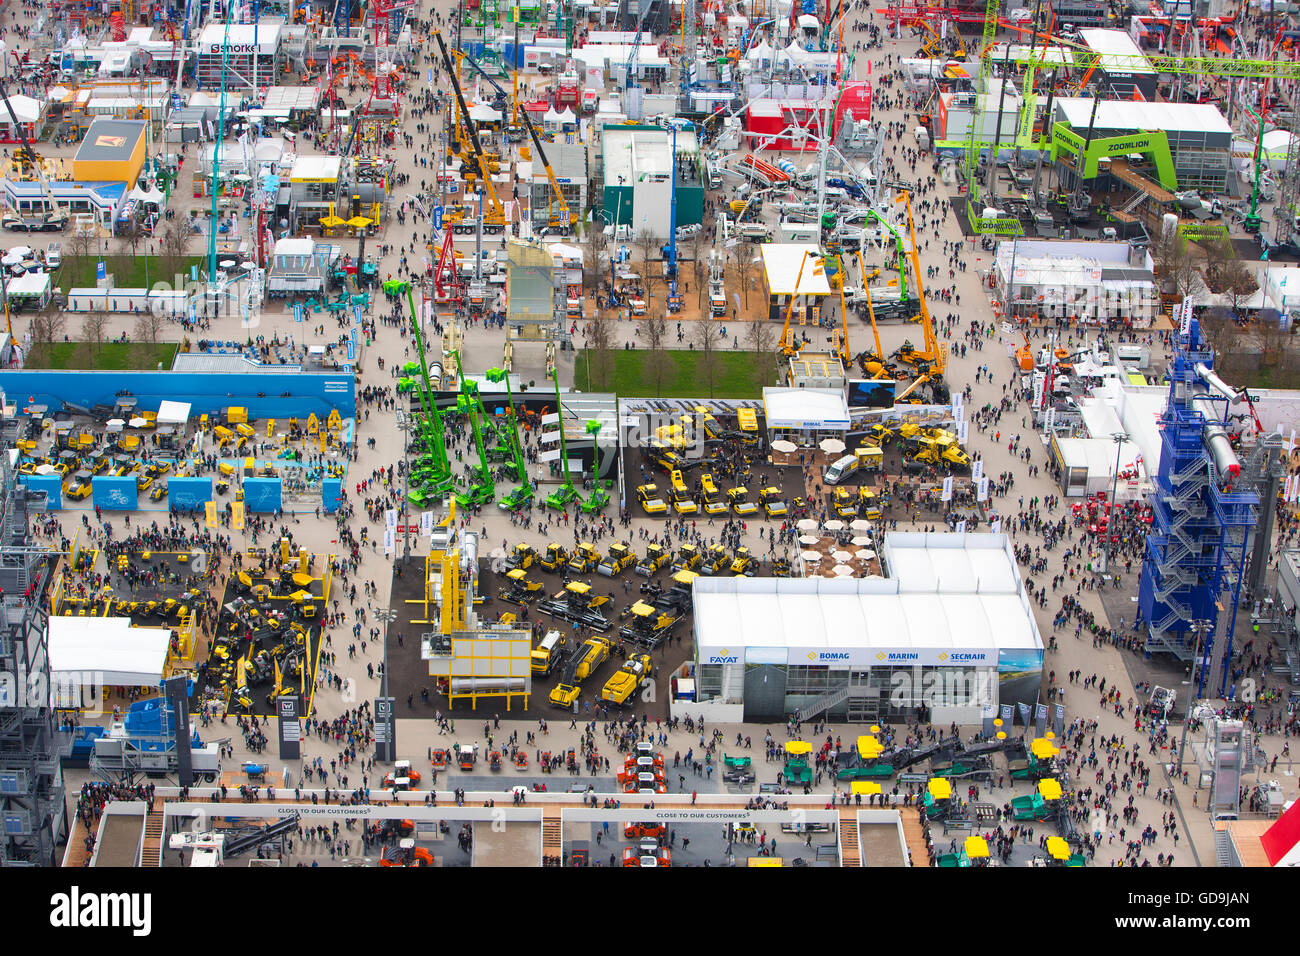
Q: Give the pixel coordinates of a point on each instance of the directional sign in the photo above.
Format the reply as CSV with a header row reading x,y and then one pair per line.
x,y
437,217
356,313
297,311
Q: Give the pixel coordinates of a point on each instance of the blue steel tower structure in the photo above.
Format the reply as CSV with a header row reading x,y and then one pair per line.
x,y
1203,513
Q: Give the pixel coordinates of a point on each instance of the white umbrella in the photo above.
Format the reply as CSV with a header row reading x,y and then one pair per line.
x,y
783,446
808,539
137,423
842,556
115,423
860,524
21,251
46,469
835,524
842,570
11,259
499,553
866,554
811,555
832,446
806,524
861,541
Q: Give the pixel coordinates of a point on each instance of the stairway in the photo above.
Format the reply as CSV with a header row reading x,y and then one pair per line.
x,y
151,853
552,833
914,836
1222,847
850,850
825,702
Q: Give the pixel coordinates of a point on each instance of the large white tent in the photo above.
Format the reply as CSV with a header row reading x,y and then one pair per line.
x,y
106,651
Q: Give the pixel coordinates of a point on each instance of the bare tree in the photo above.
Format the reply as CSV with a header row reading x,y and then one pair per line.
x,y
659,365
600,357
173,247
131,233
759,337
593,268
708,338
648,246
1221,329
744,272
93,327
1229,276
1271,337
1176,264
148,326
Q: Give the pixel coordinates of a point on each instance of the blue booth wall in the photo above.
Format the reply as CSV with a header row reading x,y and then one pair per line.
x,y
52,485
259,392
113,493
261,494
187,493
331,491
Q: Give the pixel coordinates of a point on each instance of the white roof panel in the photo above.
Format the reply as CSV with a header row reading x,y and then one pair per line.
x,y
1131,114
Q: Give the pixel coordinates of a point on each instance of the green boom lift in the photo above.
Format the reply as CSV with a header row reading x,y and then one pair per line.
x,y
431,477
559,498
524,493
482,489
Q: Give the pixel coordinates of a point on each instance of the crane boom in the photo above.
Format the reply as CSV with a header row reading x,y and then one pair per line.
x,y
568,214
484,174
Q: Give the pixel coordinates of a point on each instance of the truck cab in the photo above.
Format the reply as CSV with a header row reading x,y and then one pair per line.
x,y
547,653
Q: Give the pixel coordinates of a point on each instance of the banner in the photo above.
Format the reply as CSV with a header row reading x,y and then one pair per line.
x,y
1058,720
983,488
237,515
1008,717
962,429
390,519
390,540
996,526
210,512
947,488
426,523
290,728
961,526
1024,714
977,469
1040,718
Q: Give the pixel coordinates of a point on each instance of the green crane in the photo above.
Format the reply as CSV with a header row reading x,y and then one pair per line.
x,y
482,489
431,476
1253,221
873,216
599,496
524,493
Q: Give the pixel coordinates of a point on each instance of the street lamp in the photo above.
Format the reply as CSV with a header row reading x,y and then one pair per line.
x,y
1120,439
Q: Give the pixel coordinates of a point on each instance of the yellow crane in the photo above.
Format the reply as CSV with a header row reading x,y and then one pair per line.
x,y
787,346
565,218
933,359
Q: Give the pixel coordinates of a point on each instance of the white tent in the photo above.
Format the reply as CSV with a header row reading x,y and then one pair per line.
x,y
25,108
761,53
482,113
173,413
106,650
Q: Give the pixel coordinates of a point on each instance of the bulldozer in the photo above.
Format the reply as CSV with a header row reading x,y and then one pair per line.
x,y
556,558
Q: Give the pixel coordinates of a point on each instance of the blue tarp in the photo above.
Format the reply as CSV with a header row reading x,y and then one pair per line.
x,y
262,494
331,490
187,493
112,493
51,484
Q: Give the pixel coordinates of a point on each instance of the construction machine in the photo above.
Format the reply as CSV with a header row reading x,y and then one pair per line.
x,y
629,678
714,503
617,559
688,559
683,503
656,556
555,559
584,559
738,497
475,164
574,604
932,360
648,497
562,219
716,560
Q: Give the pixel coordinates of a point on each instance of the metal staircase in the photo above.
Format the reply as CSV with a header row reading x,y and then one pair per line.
x,y
820,705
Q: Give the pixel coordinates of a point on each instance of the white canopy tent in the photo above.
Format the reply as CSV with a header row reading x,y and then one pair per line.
x,y
173,413
106,650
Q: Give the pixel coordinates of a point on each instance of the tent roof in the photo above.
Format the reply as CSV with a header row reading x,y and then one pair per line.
x,y
25,108
857,619
110,648
173,413
781,261
807,408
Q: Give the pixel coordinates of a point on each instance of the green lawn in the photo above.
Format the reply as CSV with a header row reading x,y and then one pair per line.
x,y
735,377
110,356
129,272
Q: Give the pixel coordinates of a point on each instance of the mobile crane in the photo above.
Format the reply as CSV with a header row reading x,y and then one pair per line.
x,y
565,218
482,489
788,348
477,165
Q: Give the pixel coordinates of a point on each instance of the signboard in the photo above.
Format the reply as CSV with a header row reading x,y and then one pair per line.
x,y
290,728
856,657
297,311
437,217
871,393
385,730
352,345
100,272
947,488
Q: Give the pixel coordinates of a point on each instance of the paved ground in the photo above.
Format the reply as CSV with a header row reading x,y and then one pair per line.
x,y
483,348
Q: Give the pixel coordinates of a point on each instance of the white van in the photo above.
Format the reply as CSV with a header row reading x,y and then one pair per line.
x,y
841,469
1133,356
799,231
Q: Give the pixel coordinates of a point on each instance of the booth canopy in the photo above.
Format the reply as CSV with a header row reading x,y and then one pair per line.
x,y
173,413
806,409
108,648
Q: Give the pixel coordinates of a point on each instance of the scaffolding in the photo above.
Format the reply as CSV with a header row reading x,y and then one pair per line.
x,y
1202,519
32,810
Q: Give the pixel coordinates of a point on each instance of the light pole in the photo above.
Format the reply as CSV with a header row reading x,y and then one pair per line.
x,y
1120,439
1200,628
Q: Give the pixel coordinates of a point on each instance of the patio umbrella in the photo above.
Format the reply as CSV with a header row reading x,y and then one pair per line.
x,y
806,524
498,553
842,557
137,423
866,554
835,524
359,222
11,259
812,555
832,446
860,524
332,222
808,539
115,423
860,541
842,571
783,446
